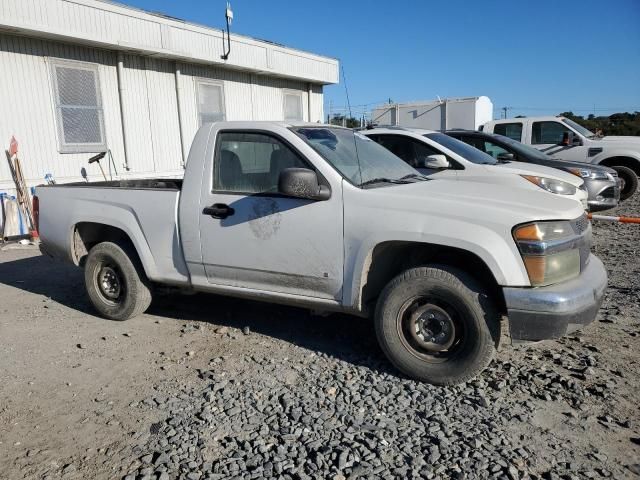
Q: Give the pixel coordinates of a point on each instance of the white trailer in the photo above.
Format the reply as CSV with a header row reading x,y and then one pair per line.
x,y
441,114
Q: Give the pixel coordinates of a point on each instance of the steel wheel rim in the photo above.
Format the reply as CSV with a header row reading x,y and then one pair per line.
x,y
109,284
430,328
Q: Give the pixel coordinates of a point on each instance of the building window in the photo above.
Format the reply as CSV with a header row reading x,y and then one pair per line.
x,y
210,102
511,130
292,106
79,115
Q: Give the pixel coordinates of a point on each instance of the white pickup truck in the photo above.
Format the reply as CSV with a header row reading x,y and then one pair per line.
x,y
564,139
322,217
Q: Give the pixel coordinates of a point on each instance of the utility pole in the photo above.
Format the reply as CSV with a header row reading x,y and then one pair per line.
x,y
505,110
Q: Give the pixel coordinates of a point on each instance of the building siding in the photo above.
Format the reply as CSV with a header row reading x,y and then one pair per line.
x,y
150,105
115,26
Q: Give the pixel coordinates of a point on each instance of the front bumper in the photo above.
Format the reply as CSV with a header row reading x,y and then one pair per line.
x,y
603,194
551,312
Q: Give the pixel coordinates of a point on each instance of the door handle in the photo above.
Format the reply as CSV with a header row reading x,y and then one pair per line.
x,y
218,210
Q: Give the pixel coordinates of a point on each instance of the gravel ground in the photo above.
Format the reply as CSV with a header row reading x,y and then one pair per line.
x,y
206,387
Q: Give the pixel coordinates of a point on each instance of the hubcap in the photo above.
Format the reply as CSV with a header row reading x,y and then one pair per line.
x,y
432,328
109,283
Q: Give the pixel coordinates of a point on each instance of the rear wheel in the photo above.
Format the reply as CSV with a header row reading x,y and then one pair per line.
x,y
629,181
115,282
436,325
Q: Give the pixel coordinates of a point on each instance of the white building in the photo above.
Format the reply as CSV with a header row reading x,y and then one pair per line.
x,y
468,113
78,77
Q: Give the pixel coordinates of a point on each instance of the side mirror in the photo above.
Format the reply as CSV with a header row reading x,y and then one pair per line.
x,y
302,183
570,139
505,156
437,161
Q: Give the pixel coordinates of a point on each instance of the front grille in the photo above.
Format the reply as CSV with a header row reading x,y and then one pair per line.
x,y
609,192
582,226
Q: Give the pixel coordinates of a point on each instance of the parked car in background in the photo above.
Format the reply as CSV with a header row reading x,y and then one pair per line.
x,y
564,139
322,217
602,183
440,156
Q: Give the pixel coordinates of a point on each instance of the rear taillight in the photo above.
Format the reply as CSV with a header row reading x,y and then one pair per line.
x,y
36,213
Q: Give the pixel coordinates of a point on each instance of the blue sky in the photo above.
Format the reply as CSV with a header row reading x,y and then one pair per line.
x,y
539,57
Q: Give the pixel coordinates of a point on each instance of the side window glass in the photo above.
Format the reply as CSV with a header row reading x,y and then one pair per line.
x,y
547,132
399,146
251,162
422,151
493,149
511,130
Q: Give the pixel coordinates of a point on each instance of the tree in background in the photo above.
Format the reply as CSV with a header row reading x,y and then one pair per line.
x,y
349,122
617,124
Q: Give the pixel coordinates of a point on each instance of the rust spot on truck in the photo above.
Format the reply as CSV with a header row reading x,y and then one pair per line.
x,y
265,218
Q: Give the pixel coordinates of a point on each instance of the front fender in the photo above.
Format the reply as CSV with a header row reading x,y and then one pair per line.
x,y
499,254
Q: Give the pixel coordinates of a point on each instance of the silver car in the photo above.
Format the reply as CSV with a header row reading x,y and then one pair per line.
x,y
602,183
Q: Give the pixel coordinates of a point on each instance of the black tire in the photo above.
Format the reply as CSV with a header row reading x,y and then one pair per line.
x,y
115,282
630,181
470,314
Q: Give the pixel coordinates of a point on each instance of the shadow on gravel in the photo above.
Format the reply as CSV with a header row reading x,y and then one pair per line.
x,y
348,338
41,275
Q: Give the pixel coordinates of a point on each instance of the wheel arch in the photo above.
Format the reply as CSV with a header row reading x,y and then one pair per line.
x,y
88,234
388,259
622,160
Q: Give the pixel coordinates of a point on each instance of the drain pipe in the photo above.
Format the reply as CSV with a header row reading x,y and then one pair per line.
x,y
309,93
120,71
179,107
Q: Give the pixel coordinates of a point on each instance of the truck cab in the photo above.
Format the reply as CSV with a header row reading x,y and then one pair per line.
x,y
562,138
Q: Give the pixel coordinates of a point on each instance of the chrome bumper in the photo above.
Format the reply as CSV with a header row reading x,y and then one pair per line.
x,y
551,312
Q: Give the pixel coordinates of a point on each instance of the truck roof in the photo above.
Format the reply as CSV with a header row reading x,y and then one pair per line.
x,y
540,118
278,123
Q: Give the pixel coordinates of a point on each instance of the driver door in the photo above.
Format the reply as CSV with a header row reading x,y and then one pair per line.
x,y
547,137
252,237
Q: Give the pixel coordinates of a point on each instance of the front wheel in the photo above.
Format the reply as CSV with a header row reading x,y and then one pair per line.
x,y
629,181
436,325
115,282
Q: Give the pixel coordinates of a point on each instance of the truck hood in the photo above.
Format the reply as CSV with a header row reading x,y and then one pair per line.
x,y
478,202
620,139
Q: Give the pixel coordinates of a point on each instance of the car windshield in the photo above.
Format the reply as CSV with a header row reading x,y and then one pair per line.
x,y
579,128
525,150
358,158
467,152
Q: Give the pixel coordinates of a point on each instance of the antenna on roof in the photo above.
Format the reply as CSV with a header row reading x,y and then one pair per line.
x,y
229,16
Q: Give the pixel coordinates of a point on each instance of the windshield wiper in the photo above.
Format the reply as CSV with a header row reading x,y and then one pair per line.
x,y
382,180
417,176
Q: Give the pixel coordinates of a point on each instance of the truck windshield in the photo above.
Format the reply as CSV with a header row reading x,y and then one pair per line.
x,y
465,151
358,158
579,128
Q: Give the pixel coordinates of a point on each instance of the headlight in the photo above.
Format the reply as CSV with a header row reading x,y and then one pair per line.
x,y
588,173
549,250
550,185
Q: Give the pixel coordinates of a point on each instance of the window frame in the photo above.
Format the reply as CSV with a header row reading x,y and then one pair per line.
x,y
63,145
212,82
505,134
414,141
295,93
562,124
216,155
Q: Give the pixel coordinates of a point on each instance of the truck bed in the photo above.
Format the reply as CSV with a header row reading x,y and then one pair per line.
x,y
136,184
145,210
